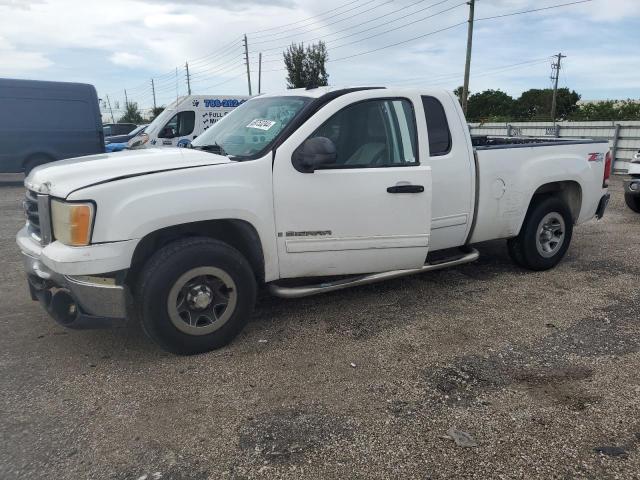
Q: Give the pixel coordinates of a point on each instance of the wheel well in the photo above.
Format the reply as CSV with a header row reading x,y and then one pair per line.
x,y
237,233
569,191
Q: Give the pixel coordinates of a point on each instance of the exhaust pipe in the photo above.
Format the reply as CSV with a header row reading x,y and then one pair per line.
x,y
63,308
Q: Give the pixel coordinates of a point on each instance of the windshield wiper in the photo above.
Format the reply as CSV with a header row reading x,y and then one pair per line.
x,y
214,148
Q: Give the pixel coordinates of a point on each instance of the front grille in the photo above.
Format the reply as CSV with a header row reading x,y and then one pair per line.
x,y
30,205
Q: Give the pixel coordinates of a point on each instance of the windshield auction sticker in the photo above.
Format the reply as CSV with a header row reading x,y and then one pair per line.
x,y
261,124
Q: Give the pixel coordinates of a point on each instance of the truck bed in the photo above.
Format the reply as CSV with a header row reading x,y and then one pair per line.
x,y
508,180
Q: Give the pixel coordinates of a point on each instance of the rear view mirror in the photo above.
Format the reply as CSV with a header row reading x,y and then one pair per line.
x,y
313,154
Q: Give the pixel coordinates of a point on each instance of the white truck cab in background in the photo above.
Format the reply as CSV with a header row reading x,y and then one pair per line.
x,y
186,118
351,185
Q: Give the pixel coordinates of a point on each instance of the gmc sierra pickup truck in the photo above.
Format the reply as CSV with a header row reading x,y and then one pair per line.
x,y
302,192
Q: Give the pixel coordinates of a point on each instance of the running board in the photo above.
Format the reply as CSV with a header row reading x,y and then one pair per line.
x,y
308,290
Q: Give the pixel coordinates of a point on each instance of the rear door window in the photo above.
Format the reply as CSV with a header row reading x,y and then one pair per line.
x,y
437,127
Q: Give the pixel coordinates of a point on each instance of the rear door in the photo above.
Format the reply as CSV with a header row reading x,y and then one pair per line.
x,y
448,154
368,212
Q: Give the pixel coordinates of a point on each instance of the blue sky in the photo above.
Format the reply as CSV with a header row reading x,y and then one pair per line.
x,y
123,44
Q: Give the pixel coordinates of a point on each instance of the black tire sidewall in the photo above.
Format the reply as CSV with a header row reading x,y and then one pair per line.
x,y
632,201
529,234
165,271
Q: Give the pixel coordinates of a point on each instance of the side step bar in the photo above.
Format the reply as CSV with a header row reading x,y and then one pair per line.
x,y
307,290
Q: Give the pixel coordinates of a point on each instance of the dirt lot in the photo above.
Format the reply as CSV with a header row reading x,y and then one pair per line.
x,y
540,368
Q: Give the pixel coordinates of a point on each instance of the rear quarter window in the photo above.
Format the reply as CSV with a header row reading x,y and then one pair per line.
x,y
437,127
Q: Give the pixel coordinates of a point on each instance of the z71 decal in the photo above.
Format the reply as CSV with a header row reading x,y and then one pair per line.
x,y
596,157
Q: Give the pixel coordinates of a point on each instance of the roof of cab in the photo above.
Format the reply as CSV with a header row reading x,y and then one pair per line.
x,y
311,92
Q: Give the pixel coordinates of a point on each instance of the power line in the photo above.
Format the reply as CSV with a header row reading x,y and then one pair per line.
x,y
450,27
312,17
325,25
377,26
533,10
399,27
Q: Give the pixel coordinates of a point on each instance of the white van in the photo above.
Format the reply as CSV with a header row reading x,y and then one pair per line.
x,y
185,119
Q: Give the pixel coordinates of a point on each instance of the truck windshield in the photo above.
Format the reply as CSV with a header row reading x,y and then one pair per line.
x,y
251,127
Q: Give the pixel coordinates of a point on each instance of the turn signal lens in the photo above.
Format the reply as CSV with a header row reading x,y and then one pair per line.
x,y
72,222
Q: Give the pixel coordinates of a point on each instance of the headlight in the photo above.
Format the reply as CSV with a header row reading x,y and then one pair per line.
x,y
72,222
138,140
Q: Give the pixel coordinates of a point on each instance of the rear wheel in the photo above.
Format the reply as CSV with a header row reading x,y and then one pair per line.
x,y
545,235
633,202
195,295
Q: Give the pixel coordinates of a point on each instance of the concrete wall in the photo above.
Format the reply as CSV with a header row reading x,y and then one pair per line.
x,y
623,136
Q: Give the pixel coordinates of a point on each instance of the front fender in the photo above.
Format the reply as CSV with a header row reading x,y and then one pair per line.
x,y
135,207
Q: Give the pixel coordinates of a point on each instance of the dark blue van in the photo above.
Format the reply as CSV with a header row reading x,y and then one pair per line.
x,y
45,121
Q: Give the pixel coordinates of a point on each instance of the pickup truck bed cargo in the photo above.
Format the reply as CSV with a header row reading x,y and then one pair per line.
x,y
305,192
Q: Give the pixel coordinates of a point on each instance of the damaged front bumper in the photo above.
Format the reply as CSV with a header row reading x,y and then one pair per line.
x,y
75,301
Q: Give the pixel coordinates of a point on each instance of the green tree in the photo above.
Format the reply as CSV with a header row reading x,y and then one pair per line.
x,y
306,68
458,92
607,110
155,111
535,104
131,114
490,105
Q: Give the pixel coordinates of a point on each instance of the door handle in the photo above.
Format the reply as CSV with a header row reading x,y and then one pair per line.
x,y
406,189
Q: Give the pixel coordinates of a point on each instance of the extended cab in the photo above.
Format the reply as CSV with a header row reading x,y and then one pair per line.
x,y
305,192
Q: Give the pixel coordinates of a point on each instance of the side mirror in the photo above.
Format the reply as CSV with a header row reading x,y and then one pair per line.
x,y
313,154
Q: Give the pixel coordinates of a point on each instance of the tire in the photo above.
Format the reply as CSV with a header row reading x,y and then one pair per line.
x,y
633,202
176,283
545,235
34,162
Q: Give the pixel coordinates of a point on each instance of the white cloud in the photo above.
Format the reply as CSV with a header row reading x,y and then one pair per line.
x,y
19,4
152,37
166,20
18,62
126,59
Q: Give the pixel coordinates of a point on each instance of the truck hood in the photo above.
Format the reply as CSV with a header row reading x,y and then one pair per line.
x,y
65,176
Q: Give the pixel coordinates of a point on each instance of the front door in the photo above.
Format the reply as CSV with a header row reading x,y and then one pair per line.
x,y
368,212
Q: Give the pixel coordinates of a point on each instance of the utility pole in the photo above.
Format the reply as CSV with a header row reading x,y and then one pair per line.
x,y
153,92
259,73
467,66
186,65
246,60
555,76
126,100
110,110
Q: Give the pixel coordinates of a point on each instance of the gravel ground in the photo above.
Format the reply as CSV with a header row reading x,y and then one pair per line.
x,y
541,369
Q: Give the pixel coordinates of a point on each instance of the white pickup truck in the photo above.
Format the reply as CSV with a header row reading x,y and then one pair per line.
x,y
302,192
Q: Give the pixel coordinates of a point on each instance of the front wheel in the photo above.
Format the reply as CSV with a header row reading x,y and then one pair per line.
x,y
195,295
545,235
633,202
